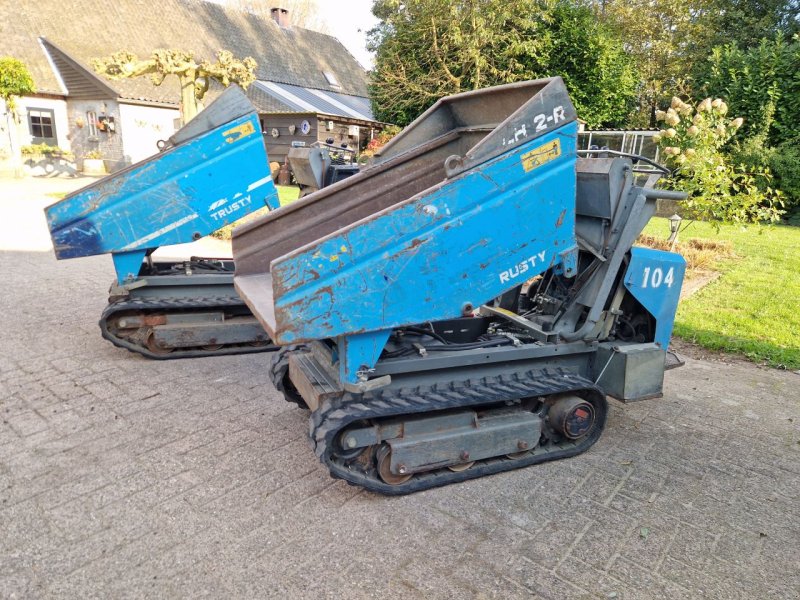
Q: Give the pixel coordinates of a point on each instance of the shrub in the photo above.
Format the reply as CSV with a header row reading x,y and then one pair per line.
x,y
763,85
45,150
784,161
692,142
378,142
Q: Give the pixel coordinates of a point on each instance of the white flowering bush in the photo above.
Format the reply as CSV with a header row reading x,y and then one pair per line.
x,y
691,139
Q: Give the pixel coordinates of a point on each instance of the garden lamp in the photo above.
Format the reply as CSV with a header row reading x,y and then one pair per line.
x,y
674,227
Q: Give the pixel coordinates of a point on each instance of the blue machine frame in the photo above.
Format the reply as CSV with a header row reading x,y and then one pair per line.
x,y
654,277
216,173
502,210
442,253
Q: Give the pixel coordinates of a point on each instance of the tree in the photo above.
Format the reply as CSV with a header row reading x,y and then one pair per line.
x,y
194,76
663,37
671,40
15,80
601,77
426,49
742,22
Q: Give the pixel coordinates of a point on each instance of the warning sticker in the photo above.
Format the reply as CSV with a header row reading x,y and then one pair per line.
x,y
541,155
240,131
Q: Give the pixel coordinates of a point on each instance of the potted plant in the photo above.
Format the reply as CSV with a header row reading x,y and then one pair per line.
x,y
93,163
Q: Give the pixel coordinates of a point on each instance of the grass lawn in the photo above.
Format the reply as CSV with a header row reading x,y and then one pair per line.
x,y
754,307
287,193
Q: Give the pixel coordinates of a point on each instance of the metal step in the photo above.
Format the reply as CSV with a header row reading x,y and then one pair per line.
x,y
258,290
315,383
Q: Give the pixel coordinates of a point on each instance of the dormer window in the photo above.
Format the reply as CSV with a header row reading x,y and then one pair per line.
x,y
331,79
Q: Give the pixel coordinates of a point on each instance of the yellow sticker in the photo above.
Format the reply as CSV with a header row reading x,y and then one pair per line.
x,y
240,131
541,155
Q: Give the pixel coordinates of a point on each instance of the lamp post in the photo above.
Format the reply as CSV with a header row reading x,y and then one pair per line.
x,y
674,228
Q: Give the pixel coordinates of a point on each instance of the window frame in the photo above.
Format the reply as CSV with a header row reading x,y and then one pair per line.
x,y
332,80
52,139
91,123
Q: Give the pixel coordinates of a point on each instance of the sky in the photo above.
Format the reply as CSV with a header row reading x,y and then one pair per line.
x,y
349,20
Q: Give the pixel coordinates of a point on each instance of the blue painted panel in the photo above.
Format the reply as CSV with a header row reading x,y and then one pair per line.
x,y
174,197
128,264
654,277
360,351
459,244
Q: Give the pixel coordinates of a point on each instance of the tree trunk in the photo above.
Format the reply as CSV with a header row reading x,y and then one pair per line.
x,y
14,145
188,98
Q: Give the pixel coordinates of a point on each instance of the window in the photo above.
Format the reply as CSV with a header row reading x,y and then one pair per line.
x,y
331,79
42,124
91,123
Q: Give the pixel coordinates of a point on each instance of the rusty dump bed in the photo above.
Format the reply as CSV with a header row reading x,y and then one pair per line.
x,y
453,137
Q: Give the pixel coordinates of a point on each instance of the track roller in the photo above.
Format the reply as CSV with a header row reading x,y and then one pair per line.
x,y
571,416
384,460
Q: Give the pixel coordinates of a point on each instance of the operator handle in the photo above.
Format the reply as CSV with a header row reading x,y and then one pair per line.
x,y
657,194
634,157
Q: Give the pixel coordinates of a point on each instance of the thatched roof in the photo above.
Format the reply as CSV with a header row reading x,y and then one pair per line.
x,y
85,30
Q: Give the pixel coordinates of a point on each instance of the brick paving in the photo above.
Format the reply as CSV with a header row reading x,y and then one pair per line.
x,y
122,477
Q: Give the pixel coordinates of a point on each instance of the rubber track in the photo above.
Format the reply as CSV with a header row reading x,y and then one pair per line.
x,y
173,305
333,416
278,368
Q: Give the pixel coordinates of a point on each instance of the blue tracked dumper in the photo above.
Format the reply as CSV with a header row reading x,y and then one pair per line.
x,y
212,172
464,305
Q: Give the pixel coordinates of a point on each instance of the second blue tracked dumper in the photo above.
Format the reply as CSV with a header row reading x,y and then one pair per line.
x,y
211,173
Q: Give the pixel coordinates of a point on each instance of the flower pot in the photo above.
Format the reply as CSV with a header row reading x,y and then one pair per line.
x,y
94,166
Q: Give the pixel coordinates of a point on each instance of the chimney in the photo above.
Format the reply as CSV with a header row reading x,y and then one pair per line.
x,y
280,16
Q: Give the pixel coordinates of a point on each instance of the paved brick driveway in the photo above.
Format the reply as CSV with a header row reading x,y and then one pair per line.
x,y
122,477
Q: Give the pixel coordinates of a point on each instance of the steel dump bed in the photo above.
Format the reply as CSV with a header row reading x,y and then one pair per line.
x,y
477,191
214,172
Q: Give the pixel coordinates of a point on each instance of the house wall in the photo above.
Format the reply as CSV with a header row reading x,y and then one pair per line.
x,y
278,147
136,129
143,127
16,134
340,134
59,108
84,140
